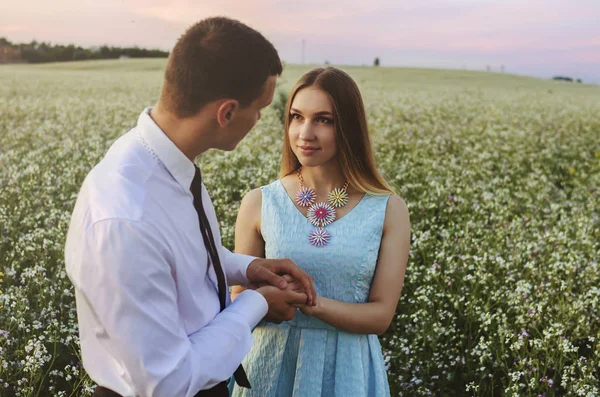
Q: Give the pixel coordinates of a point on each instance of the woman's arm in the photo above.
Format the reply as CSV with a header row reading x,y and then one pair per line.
x,y
248,239
375,316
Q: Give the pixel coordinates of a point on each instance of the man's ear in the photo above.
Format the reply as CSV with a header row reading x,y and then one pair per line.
x,y
226,111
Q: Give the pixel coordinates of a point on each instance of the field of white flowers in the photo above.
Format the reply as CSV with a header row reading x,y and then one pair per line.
x,y
501,174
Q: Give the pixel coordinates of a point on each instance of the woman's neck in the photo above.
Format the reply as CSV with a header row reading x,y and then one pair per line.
x,y
323,177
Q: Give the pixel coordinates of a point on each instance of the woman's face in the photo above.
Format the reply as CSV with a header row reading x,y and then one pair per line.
x,y
312,131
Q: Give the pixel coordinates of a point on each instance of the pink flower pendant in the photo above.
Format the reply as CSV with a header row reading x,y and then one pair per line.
x,y
321,214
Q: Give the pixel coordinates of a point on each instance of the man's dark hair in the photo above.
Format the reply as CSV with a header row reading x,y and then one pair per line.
x,y
217,58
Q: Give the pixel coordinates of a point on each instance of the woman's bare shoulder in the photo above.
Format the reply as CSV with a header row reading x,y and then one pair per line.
x,y
396,214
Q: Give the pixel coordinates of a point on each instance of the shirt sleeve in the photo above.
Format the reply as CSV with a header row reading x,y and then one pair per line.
x,y
235,265
122,269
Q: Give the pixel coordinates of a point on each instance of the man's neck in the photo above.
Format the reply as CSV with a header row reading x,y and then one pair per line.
x,y
187,134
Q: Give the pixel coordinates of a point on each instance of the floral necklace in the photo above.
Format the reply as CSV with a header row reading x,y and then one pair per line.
x,y
320,214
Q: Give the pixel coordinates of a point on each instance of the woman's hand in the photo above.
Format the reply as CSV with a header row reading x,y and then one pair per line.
x,y
313,310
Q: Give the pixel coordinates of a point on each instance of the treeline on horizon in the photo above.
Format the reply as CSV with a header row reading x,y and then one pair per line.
x,y
38,52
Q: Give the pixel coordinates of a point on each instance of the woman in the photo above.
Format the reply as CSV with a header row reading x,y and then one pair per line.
x,y
334,216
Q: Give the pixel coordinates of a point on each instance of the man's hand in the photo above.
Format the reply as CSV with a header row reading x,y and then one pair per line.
x,y
282,304
271,271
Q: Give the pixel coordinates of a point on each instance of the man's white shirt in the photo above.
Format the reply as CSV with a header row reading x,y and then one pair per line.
x,y
147,301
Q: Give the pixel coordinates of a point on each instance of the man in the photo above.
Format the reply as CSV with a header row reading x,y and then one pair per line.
x,y
144,250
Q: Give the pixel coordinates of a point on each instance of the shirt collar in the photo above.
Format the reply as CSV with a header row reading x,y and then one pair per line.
x,y
174,160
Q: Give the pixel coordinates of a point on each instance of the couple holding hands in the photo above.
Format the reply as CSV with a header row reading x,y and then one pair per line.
x,y
320,254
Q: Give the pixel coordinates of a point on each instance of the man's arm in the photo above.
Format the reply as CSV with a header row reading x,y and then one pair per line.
x,y
235,266
122,269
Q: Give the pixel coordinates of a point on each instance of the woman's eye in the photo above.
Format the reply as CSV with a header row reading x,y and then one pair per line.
x,y
324,120
294,116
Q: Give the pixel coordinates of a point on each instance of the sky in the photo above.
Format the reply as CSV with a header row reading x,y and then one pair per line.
x,y
541,38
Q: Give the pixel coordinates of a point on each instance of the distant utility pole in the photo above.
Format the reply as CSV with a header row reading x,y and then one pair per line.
x,y
303,49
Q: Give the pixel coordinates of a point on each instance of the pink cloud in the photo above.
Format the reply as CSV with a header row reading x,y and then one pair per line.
x,y
431,31
6,29
588,57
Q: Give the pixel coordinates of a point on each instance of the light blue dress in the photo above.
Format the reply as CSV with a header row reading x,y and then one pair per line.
x,y
306,357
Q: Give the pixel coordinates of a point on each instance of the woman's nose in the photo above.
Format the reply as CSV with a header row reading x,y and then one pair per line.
x,y
306,133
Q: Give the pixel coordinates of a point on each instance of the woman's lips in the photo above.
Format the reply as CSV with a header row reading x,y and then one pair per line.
x,y
307,150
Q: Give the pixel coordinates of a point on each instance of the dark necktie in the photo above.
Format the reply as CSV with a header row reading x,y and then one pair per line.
x,y
209,242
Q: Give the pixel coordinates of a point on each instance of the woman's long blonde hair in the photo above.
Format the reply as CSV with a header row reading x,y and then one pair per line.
x,y
352,134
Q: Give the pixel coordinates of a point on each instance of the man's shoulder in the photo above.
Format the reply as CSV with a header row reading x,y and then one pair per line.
x,y
118,186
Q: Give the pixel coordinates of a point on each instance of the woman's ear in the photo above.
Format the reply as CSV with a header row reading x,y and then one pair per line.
x,y
226,111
